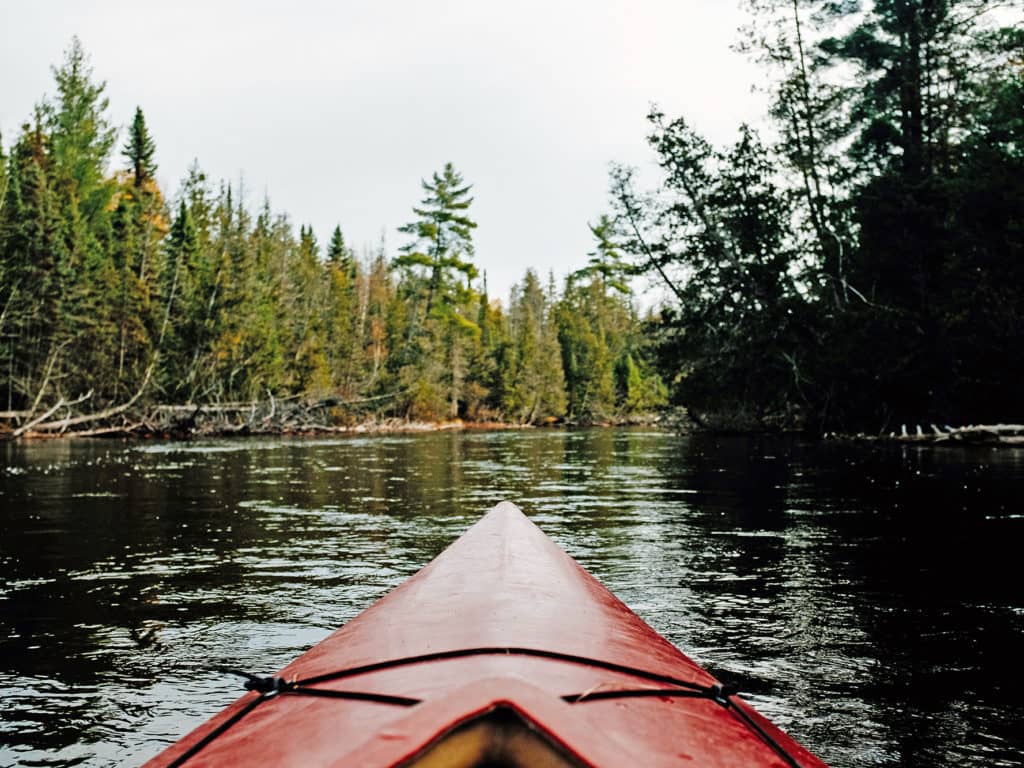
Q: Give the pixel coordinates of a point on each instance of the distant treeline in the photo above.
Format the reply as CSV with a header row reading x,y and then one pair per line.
x,y
858,266
111,295
861,265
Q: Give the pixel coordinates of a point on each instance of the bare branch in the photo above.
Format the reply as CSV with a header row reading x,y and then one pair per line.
x,y
60,404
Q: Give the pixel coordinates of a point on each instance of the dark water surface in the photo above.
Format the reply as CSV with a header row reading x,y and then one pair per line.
x,y
868,599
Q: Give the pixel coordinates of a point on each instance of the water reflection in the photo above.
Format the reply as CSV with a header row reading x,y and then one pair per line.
x,y
865,598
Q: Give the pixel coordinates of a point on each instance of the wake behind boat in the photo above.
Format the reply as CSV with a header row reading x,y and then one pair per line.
x,y
502,652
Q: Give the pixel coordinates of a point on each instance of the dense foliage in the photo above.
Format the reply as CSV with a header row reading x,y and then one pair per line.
x,y
864,267
857,263
110,295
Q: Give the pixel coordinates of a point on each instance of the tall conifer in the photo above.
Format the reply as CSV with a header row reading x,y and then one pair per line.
x,y
140,150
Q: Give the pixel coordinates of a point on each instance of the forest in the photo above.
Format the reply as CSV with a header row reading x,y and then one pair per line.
x,y
854,262
115,300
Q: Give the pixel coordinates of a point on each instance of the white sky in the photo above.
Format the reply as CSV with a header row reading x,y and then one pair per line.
x,y
338,109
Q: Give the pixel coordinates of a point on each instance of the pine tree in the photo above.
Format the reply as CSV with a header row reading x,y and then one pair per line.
x,y
346,313
588,359
437,279
140,150
384,328
132,310
489,358
607,259
33,262
80,133
924,73
722,241
442,238
338,253
79,139
309,355
140,221
178,332
534,386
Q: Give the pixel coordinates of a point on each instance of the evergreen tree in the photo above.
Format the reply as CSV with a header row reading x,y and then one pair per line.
x,y
437,274
178,332
261,358
586,338
865,291
238,354
926,71
607,260
132,309
72,142
534,386
442,238
723,234
139,224
33,262
81,137
346,313
140,150
338,253
384,327
490,356
305,299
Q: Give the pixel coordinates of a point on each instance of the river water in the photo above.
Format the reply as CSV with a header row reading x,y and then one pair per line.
x,y
868,599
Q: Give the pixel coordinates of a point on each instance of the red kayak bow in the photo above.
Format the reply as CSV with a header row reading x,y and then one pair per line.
x,y
503,651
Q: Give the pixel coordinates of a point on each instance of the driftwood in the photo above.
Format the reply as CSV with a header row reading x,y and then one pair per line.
x,y
1009,434
61,425
974,434
236,407
37,422
276,415
121,431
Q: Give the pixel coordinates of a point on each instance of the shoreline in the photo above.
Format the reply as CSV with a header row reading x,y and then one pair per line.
x,y
184,432
209,422
388,426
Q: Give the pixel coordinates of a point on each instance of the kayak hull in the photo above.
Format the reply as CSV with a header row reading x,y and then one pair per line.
x,y
502,627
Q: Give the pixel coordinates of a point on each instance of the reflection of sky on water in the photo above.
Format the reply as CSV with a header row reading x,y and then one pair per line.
x,y
829,581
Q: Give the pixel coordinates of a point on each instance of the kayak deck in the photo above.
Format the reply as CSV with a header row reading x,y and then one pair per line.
x,y
503,651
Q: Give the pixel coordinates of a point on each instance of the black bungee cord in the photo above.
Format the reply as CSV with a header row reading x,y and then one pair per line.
x,y
269,687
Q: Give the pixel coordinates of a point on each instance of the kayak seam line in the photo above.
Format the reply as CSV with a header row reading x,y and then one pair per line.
x,y
378,698
583,698
500,651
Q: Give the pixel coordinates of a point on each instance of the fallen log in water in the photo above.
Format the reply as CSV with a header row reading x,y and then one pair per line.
x,y
292,415
973,434
275,415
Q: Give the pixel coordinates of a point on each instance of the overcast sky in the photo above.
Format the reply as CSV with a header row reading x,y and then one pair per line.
x,y
338,109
